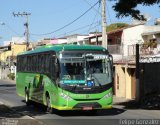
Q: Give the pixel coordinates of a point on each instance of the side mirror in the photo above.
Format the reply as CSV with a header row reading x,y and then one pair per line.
x,y
111,62
56,68
111,59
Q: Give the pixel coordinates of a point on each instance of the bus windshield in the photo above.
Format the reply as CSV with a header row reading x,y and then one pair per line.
x,y
83,68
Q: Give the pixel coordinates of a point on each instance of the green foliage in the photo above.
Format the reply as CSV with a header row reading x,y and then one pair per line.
x,y
129,7
115,26
11,76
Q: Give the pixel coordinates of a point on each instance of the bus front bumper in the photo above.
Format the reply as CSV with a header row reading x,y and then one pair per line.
x,y
82,108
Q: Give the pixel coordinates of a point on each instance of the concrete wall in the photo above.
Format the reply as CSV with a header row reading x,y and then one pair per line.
x,y
18,48
124,83
120,86
4,72
4,55
15,49
128,84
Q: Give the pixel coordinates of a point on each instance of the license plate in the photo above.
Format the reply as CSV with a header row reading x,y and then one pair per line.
x,y
87,108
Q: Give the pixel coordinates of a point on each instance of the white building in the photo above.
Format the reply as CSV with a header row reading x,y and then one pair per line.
x,y
138,35
76,39
59,41
14,40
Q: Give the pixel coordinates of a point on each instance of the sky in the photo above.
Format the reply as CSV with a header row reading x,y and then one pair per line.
x,y
65,16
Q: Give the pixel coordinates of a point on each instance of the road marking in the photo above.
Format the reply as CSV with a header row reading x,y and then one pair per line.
x,y
33,120
1,103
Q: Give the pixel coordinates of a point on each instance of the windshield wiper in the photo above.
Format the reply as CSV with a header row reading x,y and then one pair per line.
x,y
74,87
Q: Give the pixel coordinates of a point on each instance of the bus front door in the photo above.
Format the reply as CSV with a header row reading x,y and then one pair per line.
x,y
37,93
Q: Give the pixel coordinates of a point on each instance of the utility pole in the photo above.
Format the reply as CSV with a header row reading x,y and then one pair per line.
x,y
104,35
137,74
26,26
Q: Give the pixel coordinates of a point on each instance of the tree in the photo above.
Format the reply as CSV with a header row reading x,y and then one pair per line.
x,y
115,26
128,7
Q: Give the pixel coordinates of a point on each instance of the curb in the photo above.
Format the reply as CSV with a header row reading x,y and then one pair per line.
x,y
1,103
8,80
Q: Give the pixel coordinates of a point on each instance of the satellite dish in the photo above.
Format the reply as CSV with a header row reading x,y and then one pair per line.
x,y
136,22
147,17
157,22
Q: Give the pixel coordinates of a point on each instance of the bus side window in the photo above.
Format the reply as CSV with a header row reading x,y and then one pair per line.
x,y
47,64
33,63
18,64
42,63
57,68
36,63
25,62
52,67
39,63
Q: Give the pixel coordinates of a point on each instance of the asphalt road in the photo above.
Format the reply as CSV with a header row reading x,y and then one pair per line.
x,y
116,115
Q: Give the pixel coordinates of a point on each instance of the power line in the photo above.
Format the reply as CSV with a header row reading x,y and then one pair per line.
x,y
83,27
68,23
86,31
93,7
94,18
11,29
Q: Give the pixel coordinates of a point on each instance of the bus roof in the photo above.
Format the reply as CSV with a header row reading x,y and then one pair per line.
x,y
64,47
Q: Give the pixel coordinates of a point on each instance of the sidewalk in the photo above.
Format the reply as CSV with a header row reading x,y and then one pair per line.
x,y
123,103
8,80
117,100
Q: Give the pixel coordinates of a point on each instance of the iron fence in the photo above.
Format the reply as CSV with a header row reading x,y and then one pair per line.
x,y
115,49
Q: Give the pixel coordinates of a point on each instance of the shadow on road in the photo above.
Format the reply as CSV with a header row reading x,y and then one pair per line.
x,y
107,112
32,110
38,110
143,104
131,104
6,112
7,85
20,111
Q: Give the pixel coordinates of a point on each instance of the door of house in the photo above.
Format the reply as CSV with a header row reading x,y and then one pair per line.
x,y
133,83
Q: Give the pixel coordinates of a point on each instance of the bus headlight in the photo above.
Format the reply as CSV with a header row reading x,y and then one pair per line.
x,y
108,95
65,96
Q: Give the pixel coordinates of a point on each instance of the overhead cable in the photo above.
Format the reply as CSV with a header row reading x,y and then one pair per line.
x,y
68,23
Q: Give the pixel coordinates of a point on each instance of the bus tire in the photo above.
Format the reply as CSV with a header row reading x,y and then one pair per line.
x,y
48,102
27,101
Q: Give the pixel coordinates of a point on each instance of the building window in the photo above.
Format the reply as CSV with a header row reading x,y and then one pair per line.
x,y
118,41
109,41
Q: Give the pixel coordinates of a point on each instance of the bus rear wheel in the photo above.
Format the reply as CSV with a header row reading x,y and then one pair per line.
x,y
27,101
48,102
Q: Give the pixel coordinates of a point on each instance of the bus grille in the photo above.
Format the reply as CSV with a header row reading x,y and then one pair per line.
x,y
90,104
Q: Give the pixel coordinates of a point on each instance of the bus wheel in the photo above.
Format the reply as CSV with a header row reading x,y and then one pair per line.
x,y
27,101
48,102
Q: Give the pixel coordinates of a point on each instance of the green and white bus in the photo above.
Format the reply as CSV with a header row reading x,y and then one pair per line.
x,y
66,77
